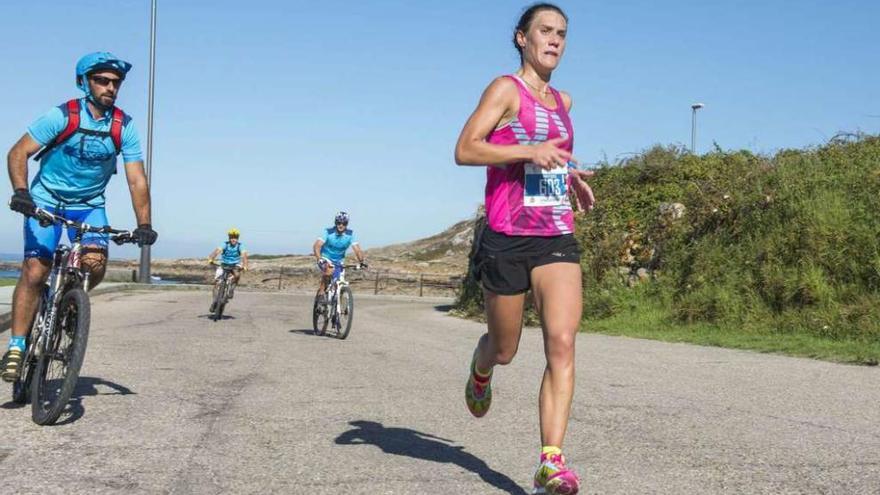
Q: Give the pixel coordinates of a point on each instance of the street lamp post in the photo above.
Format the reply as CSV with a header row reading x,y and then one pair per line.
x,y
144,272
694,108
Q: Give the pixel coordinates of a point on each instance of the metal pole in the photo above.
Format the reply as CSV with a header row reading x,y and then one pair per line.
x,y
145,250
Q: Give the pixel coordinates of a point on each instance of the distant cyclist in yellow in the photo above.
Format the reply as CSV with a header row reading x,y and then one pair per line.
x,y
232,254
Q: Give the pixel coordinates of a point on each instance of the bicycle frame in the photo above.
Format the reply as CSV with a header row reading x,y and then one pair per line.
x,y
338,281
227,275
66,273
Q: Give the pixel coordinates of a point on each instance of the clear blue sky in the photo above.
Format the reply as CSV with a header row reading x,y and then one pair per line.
x,y
272,115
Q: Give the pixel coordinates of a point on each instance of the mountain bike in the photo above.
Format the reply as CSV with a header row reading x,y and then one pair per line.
x,y
222,290
337,308
56,344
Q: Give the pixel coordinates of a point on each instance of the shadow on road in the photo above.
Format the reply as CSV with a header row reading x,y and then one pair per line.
x,y
86,386
211,317
418,445
444,308
303,331
328,335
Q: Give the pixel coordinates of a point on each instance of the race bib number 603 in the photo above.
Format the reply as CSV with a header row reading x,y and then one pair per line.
x,y
545,187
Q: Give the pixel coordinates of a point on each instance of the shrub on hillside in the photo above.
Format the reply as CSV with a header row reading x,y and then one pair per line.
x,y
788,243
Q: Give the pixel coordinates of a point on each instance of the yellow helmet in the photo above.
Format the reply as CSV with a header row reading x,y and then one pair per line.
x,y
233,232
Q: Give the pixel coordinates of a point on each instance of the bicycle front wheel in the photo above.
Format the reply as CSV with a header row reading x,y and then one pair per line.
x,y
320,317
346,312
21,388
58,367
220,301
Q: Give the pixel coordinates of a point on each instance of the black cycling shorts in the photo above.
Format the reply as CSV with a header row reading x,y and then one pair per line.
x,y
503,264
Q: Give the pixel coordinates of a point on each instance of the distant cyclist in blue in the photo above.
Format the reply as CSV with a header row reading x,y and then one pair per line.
x,y
330,249
232,253
80,140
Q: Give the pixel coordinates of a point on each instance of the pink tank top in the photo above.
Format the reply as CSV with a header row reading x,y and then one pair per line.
x,y
523,199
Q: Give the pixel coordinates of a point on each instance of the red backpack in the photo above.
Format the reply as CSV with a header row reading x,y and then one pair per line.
x,y
71,112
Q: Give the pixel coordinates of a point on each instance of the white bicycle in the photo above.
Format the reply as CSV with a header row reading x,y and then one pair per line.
x,y
337,308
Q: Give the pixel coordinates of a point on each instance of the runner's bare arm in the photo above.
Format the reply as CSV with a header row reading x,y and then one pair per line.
x,y
140,191
17,160
498,104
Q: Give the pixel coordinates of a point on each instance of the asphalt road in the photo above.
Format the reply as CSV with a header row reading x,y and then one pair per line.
x,y
171,402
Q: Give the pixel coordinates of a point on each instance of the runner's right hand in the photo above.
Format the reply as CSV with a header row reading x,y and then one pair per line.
x,y
548,155
22,202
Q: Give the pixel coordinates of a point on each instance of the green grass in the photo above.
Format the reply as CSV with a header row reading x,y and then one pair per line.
x,y
654,322
7,281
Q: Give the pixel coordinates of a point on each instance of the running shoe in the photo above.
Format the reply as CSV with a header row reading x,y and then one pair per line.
x,y
553,478
10,366
478,391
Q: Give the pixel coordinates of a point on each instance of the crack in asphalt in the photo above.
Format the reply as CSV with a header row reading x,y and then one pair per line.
x,y
212,406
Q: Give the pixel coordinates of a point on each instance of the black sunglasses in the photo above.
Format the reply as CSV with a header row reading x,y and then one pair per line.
x,y
106,81
341,223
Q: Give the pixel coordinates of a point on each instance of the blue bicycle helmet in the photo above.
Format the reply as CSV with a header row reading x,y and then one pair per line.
x,y
96,61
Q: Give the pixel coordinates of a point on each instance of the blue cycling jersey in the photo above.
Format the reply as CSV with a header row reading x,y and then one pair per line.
x,y
78,170
336,244
231,255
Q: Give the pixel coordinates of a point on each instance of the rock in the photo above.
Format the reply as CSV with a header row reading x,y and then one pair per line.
x,y
643,274
672,211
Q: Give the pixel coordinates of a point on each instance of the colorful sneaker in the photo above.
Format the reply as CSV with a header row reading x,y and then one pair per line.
x,y
478,391
10,366
553,478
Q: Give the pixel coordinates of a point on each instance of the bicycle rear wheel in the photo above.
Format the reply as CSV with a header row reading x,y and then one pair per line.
x,y
346,312
58,367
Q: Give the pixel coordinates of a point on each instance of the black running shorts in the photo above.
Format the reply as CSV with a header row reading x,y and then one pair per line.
x,y
503,263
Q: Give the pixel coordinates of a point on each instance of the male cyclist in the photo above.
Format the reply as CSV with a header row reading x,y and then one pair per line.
x,y
330,249
232,253
80,140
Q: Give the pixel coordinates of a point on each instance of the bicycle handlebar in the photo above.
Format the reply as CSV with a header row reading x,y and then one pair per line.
x,y
120,237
